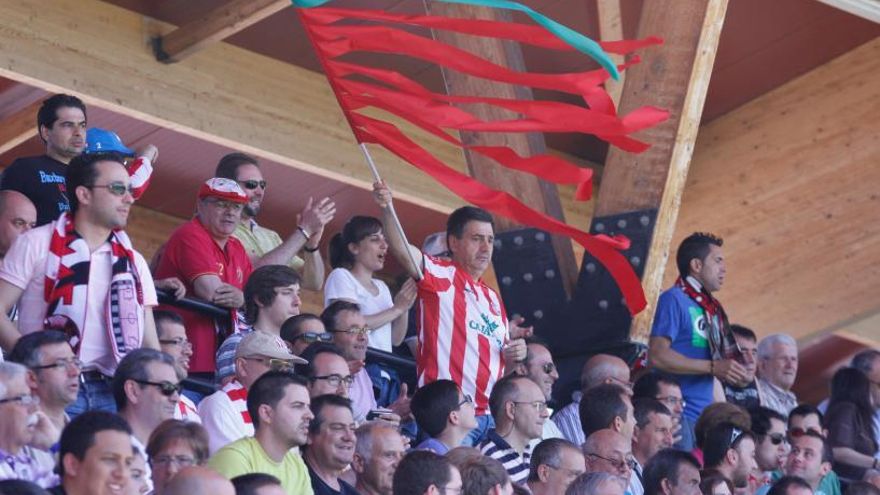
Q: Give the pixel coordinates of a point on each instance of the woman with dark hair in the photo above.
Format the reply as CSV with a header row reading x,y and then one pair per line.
x,y
850,425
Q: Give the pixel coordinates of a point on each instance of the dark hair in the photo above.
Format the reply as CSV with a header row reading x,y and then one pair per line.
x,y
480,474
250,483
260,288
713,479
643,408
20,487
805,410
227,167
697,246
860,488
717,413
849,385
432,403
290,327
328,317
79,435
600,405
783,484
164,315
504,390
864,360
310,353
269,389
535,340
665,464
322,402
548,452
762,420
26,350
172,430
648,385
134,367
420,469
459,218
744,332
356,229
719,440
82,172
827,454
48,112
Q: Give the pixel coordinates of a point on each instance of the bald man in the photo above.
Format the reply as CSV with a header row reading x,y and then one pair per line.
x,y
599,369
17,215
199,479
607,451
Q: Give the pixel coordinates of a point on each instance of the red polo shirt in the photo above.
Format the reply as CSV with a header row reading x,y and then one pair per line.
x,y
190,253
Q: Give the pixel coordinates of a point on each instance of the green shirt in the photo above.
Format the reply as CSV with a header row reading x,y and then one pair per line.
x,y
258,241
247,456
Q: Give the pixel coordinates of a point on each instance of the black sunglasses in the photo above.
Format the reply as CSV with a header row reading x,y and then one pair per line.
x,y
776,438
166,388
311,337
252,184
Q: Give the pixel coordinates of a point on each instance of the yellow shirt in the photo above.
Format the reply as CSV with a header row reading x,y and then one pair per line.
x,y
247,456
258,241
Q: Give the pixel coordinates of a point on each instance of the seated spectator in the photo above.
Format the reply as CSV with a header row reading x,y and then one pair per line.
x,y
599,369
597,483
257,484
212,264
769,428
790,485
715,414
777,371
53,373
664,388
444,413
519,409
20,487
730,452
271,296
540,368
94,455
810,459
303,330
331,445
745,396
140,482
868,362
716,484
484,476
98,187
555,463
376,456
691,338
607,406
610,452
326,370
672,472
175,445
357,253
652,433
199,479
850,423
224,413
422,472
17,216
264,246
278,403
806,417
18,428
173,341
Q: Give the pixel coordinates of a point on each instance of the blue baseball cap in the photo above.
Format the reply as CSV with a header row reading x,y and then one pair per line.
x,y
103,141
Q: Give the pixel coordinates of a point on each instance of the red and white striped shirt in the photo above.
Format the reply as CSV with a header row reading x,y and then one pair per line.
x,y
462,330
186,410
225,416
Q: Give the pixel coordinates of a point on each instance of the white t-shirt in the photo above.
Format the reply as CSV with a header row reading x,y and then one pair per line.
x,y
341,284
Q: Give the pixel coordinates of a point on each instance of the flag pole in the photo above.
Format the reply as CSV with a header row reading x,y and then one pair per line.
x,y
395,220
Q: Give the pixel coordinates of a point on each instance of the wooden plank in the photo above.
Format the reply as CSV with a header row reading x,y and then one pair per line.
x,y
611,29
19,127
217,25
674,77
866,9
538,194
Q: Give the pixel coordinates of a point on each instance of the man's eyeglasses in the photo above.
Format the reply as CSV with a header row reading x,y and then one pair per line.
x,y
252,184
539,405
776,438
25,400
116,188
355,330
167,460
224,205
672,401
166,388
573,473
467,399
60,363
548,368
336,380
618,464
275,364
179,341
312,337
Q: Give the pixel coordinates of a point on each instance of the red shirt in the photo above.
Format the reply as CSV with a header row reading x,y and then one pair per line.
x,y
190,253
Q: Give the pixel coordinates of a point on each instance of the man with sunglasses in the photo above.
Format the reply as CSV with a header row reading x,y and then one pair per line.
x,y
771,444
730,452
225,413
303,330
265,246
172,341
445,413
540,368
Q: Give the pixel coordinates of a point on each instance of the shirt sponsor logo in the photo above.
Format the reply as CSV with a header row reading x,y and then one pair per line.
x,y
700,328
50,178
487,327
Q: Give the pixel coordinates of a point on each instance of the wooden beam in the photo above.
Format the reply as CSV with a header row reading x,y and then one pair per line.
x,y
217,25
866,9
19,127
536,193
675,77
611,29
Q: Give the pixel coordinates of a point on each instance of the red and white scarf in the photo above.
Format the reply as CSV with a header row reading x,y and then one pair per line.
x,y
722,343
66,286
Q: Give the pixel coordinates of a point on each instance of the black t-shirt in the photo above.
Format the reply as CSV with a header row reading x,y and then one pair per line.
x,y
745,397
42,179
321,488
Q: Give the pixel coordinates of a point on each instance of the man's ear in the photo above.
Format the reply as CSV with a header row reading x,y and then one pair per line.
x,y
520,369
71,464
266,414
453,418
732,456
824,468
358,464
695,265
635,438
132,391
666,486
509,406
617,424
543,472
30,378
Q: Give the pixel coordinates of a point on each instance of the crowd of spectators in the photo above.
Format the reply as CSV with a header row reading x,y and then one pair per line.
x,y
97,391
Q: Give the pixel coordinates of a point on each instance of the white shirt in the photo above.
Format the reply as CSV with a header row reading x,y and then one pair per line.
x,y
186,410
224,415
148,473
341,284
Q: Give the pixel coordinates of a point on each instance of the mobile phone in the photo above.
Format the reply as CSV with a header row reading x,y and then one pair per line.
x,y
376,413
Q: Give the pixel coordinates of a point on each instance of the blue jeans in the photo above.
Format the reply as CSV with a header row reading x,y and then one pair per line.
x,y
478,434
93,396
